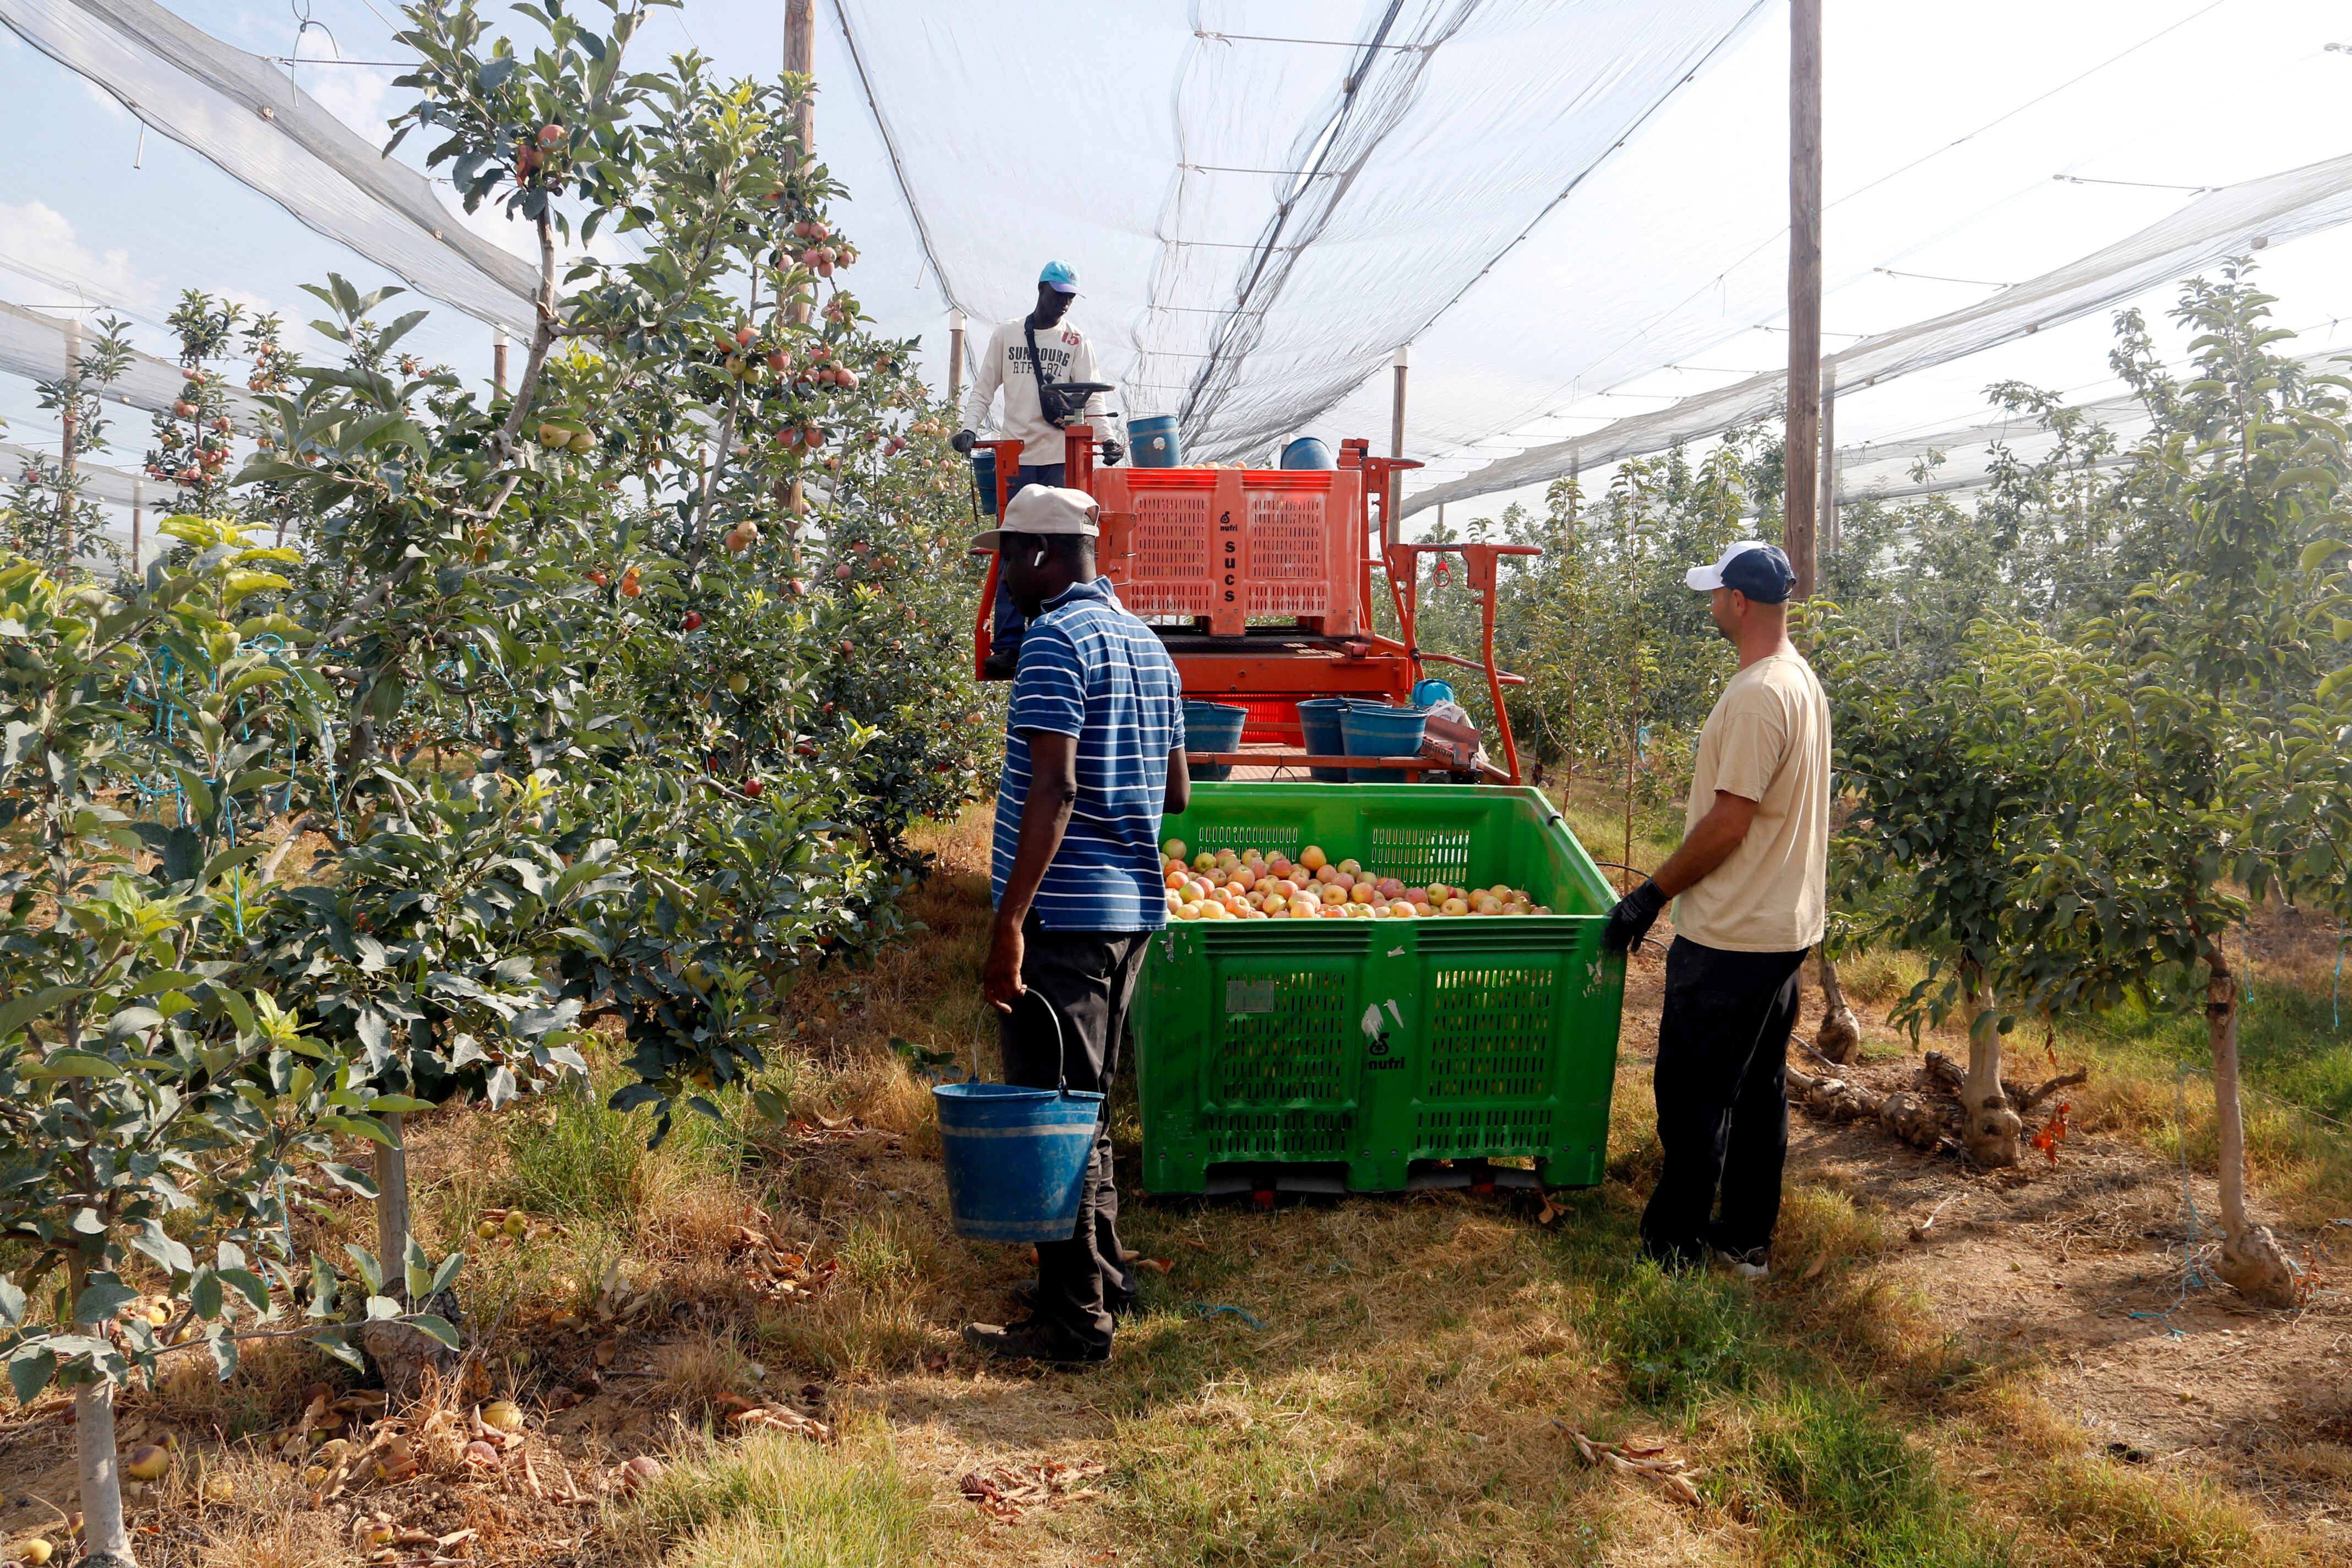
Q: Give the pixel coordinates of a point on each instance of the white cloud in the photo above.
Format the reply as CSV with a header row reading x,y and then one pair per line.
x,y
355,95
39,242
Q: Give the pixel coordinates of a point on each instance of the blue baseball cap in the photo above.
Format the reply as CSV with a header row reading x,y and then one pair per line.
x,y
1060,277
1752,567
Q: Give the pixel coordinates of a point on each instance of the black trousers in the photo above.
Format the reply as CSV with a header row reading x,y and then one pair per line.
x,y
1089,979
1723,1107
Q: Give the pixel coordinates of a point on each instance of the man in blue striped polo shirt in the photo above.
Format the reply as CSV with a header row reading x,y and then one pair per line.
x,y
1094,753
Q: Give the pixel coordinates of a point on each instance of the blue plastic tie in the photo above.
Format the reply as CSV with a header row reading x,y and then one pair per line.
x,y
1208,1309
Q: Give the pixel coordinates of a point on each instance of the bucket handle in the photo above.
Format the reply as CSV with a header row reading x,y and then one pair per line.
x,y
1061,1047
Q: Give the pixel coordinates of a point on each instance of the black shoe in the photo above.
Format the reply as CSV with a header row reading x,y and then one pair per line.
x,y
1033,1340
1025,1296
1001,662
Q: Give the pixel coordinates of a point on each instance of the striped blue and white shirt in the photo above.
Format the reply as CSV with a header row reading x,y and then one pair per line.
x,y
1090,669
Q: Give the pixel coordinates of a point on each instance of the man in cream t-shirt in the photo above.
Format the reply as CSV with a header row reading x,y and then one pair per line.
x,y
1748,889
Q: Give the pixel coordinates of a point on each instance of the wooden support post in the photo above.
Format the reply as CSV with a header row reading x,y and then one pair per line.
x,y
70,430
1826,518
1395,498
138,521
799,59
955,357
499,360
1800,498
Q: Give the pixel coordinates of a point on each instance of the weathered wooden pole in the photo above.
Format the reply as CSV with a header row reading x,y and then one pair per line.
x,y
1803,453
70,429
1826,518
955,357
498,359
799,59
1391,532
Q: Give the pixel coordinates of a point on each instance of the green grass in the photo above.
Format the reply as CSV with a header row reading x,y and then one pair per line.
x,y
1833,1483
774,1501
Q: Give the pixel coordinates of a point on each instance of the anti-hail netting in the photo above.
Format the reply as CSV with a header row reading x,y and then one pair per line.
x,y
2225,223
1562,206
1260,220
236,109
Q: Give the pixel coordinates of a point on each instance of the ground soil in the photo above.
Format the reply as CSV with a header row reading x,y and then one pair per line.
x,y
2090,1262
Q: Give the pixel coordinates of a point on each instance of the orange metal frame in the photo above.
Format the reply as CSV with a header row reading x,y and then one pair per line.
x,y
1336,529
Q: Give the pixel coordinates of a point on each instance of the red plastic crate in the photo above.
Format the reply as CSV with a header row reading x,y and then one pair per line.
x,y
1236,544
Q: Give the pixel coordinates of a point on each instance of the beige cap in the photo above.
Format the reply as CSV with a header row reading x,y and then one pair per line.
x,y
1044,509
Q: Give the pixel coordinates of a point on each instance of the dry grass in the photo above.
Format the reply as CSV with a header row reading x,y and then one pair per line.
x,y
1408,1393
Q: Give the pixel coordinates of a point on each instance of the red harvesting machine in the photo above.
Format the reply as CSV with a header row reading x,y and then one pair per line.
x,y
1259,581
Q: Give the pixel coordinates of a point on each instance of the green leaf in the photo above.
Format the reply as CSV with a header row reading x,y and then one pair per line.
x,y
371,1271
24,1009
325,1287
29,1370
12,1300
379,1308
155,1242
101,1300
366,1127
235,1005
338,1346
403,1103
70,1064
250,1286
436,1327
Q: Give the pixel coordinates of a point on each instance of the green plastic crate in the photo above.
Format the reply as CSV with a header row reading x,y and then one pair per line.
x,y
1373,1044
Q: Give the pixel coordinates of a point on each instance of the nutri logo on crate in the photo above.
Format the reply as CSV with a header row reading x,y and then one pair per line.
x,y
1249,996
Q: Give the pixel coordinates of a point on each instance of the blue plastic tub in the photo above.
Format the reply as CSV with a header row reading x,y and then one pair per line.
x,y
1318,724
1377,729
1151,442
1428,694
1213,727
1308,452
1015,1158
983,474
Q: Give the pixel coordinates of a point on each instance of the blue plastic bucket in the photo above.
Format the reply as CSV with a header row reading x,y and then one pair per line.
x,y
1377,729
1151,442
1319,724
983,474
1428,694
1016,1159
1308,452
1213,727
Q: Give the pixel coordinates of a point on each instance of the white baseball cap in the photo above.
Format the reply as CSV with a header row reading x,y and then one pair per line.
x,y
1044,509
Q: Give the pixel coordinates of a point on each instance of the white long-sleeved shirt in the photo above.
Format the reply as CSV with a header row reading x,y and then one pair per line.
x,y
1005,366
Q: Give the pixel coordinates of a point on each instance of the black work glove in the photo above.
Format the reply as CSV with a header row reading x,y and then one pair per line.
x,y
1113,450
1631,918
964,441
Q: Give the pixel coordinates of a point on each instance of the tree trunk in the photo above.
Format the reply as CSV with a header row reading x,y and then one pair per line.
x,y
407,1359
105,1537
2251,1258
1840,1035
392,1201
1988,1128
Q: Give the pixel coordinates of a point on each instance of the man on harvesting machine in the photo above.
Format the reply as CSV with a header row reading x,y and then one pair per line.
x,y
1007,365
1749,898
1094,753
